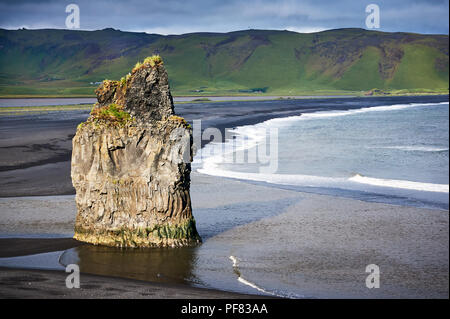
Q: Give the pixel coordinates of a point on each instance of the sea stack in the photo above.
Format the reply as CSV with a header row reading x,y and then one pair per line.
x,y
131,165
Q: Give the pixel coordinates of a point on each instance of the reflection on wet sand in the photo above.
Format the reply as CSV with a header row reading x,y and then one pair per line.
x,y
187,265
169,265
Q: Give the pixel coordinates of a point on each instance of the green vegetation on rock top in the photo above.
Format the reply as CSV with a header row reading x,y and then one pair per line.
x,y
151,61
110,114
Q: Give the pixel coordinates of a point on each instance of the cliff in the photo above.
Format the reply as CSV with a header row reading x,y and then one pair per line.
x,y
131,165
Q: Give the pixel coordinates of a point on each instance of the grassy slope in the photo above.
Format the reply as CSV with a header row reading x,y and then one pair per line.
x,y
63,62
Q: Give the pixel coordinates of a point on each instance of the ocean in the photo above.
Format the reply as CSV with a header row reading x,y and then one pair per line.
x,y
393,153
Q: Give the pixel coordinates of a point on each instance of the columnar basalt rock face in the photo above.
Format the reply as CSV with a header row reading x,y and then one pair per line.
x,y
130,166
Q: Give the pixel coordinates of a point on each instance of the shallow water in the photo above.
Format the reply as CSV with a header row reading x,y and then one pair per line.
x,y
189,265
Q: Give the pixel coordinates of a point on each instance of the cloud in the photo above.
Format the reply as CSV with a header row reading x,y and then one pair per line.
x,y
180,16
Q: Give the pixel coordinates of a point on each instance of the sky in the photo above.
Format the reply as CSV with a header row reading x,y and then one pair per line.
x,y
184,16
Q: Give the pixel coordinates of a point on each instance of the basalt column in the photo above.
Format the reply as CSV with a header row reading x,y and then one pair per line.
x,y
131,165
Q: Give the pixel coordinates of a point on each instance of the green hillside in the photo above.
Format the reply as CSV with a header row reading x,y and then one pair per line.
x,y
66,62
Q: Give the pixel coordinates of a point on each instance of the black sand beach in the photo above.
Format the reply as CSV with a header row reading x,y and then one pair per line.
x,y
48,284
315,245
13,247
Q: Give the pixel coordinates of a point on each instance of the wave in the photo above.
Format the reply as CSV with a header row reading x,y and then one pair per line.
x,y
413,148
326,114
251,130
255,133
351,183
394,183
381,108
250,135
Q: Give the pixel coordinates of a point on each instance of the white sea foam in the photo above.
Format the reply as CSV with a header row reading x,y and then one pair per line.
x,y
325,114
250,135
234,260
352,183
248,283
393,183
367,109
414,148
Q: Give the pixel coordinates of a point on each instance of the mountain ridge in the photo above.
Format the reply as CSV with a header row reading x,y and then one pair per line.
x,y
71,62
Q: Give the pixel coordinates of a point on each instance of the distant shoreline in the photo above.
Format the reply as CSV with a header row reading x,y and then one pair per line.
x,y
186,99
268,96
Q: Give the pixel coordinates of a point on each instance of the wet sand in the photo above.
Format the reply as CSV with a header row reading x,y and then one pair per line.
x,y
45,215
13,247
289,243
48,284
320,247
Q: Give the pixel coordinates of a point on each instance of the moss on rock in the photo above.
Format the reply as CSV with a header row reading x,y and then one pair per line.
x,y
167,235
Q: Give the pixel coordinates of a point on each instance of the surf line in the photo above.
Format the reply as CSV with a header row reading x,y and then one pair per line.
x,y
246,282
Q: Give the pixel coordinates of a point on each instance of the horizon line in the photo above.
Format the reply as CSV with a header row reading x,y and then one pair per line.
x,y
218,32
